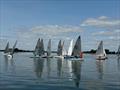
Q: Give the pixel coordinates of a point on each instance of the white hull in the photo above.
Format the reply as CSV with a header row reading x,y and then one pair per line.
x,y
101,57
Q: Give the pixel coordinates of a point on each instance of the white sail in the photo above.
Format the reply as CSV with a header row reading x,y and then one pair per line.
x,y
49,48
100,53
70,48
6,48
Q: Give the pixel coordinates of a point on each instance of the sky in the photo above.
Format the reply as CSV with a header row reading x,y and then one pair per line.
x,y
28,20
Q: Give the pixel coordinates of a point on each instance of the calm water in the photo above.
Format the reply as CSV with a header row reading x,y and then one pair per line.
x,y
24,72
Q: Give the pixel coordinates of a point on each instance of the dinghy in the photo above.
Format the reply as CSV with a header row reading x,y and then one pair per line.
x,y
48,50
9,53
100,53
60,51
39,49
77,52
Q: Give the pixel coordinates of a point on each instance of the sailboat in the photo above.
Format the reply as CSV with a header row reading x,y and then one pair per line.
x,y
118,52
100,53
9,53
39,49
60,50
77,52
48,50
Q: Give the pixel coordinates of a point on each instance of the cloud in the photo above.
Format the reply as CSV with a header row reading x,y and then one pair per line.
x,y
55,32
107,33
103,22
55,29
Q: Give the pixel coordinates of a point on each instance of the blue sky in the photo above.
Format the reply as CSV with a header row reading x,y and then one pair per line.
x,y
27,20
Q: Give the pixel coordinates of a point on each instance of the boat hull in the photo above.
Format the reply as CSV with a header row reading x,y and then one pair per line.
x,y
101,57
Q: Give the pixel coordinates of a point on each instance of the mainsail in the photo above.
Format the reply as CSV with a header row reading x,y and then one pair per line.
x,y
49,48
100,51
70,48
77,48
6,48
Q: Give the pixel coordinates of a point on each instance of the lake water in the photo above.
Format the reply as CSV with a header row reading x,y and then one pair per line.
x,y
23,72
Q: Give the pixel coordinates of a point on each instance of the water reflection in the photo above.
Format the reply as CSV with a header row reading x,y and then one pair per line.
x,y
76,71
48,63
99,66
59,66
9,64
38,65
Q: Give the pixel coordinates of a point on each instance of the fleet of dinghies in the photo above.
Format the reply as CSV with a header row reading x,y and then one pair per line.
x,y
74,51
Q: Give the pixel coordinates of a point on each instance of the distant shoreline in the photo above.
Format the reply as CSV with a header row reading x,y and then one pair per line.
x,y
92,51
